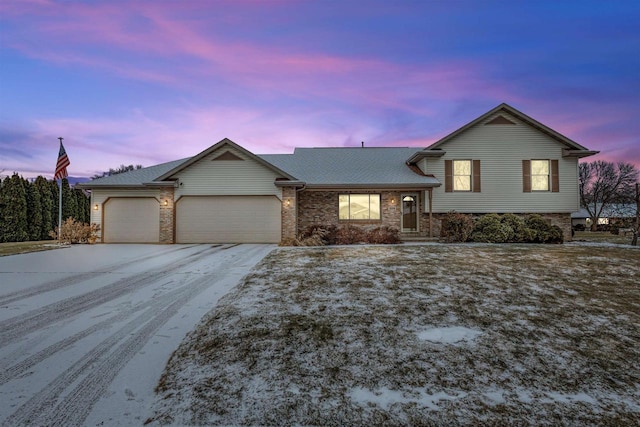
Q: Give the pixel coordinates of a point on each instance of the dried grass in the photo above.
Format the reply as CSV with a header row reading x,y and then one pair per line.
x,y
312,329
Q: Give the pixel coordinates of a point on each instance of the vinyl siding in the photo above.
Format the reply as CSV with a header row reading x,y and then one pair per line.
x,y
209,177
99,196
501,149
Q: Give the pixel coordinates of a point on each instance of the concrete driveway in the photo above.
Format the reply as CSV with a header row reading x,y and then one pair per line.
x,y
86,331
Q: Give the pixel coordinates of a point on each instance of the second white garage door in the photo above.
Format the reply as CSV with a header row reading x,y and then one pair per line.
x,y
228,219
132,220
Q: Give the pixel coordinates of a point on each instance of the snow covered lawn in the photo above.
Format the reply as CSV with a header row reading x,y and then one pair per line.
x,y
417,335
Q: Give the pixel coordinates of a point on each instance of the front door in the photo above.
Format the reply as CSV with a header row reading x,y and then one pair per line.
x,y
409,212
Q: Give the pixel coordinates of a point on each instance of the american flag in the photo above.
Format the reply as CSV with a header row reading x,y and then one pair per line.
x,y
63,162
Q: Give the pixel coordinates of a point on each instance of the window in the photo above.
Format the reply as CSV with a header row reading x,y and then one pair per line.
x,y
539,175
462,175
359,206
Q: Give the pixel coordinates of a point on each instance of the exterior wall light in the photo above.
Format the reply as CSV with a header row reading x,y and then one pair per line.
x,y
95,207
288,202
166,202
393,201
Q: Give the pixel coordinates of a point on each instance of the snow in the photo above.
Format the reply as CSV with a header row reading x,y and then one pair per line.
x,y
91,328
449,335
403,335
384,397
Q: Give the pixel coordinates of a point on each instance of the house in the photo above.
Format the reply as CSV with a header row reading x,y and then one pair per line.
x,y
503,161
620,214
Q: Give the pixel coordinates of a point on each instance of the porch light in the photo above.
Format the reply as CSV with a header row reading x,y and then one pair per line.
x,y
393,201
287,202
407,199
95,207
166,202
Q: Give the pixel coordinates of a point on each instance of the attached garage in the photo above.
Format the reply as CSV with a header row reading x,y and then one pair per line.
x,y
131,220
228,219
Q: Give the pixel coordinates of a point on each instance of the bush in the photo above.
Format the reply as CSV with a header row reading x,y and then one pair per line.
x,y
318,235
490,229
521,233
76,232
543,232
383,235
349,235
579,227
456,227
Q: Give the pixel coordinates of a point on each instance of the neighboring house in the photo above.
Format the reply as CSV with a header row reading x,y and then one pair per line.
x,y
504,161
621,214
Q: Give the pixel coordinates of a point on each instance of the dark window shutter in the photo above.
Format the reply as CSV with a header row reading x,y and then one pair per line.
x,y
448,176
476,176
526,176
555,178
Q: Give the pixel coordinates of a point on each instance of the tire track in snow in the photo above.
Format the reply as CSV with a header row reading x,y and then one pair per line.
x,y
17,327
77,278
10,371
99,367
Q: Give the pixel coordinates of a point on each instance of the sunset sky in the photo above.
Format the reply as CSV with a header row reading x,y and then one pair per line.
x,y
132,82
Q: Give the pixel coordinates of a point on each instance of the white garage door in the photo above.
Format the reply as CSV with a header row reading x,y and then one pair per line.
x,y
228,219
132,220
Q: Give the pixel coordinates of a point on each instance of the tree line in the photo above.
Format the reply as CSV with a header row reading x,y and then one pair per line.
x,y
29,209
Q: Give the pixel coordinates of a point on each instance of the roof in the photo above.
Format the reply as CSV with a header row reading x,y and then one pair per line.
x,y
568,143
134,178
352,167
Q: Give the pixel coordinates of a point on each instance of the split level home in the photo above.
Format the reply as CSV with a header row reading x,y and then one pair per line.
x,y
503,161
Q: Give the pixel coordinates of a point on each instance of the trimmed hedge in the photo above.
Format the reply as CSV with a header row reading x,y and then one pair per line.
x,y
494,228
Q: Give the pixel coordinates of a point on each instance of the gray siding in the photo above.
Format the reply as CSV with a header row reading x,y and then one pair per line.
x,y
209,177
501,149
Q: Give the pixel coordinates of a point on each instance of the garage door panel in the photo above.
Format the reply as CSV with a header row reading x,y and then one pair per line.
x,y
228,219
132,220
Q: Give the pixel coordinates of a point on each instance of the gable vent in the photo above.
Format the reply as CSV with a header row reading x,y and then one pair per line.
x,y
500,120
227,155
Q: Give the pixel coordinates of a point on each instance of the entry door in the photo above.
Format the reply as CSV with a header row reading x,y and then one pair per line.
x,y
410,212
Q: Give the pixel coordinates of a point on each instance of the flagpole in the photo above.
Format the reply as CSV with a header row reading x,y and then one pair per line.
x,y
60,205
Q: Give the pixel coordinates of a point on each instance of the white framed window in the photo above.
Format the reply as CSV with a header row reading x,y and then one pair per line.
x,y
462,175
359,206
540,172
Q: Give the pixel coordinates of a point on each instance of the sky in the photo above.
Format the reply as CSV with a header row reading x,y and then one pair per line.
x,y
146,82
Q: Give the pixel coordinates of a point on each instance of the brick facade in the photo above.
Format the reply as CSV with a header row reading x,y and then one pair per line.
x,y
289,213
166,215
321,207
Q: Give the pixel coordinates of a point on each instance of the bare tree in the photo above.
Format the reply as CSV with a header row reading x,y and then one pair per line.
x,y
636,229
116,171
603,183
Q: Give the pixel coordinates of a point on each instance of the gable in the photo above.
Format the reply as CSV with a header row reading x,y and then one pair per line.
x,y
503,113
226,171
